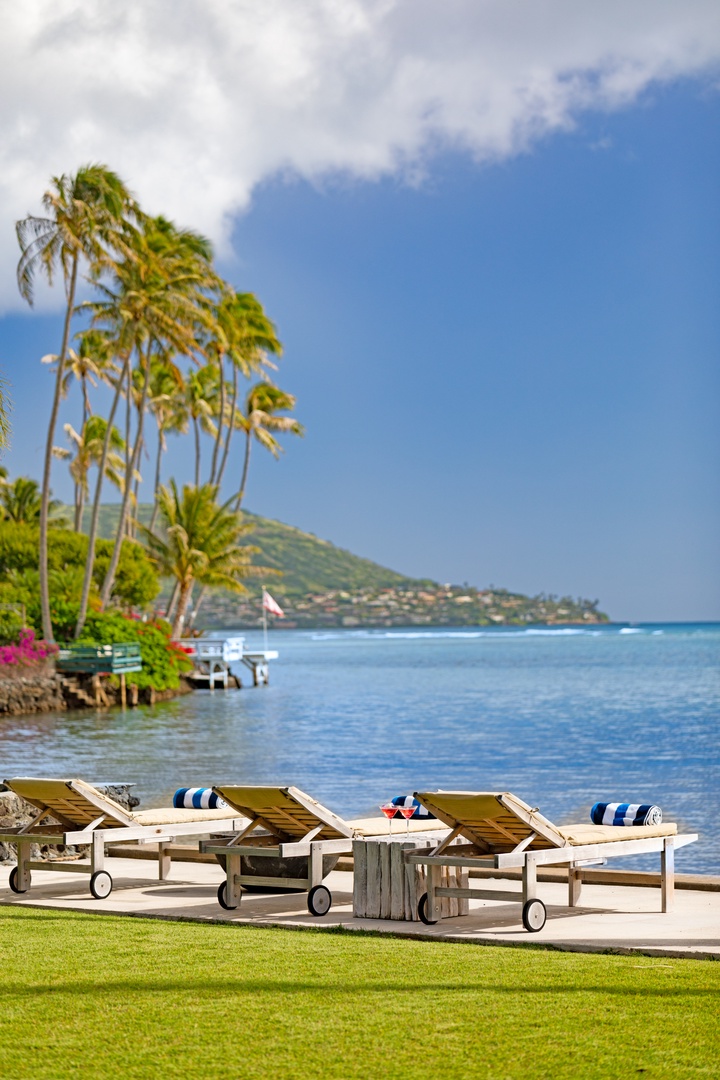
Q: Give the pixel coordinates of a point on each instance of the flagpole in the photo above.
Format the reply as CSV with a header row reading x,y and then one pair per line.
x,y
264,621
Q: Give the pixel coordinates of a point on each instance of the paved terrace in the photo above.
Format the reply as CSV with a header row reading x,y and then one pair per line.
x,y
618,918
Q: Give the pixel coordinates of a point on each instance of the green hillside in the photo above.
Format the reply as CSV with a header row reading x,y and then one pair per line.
x,y
323,585
311,565
308,564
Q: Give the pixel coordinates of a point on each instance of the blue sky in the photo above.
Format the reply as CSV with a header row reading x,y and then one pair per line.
x,y
508,369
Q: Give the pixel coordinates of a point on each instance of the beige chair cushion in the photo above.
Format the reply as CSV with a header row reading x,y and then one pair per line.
x,y
605,834
172,815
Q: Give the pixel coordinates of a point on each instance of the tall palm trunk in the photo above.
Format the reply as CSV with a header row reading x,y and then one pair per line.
x,y
185,594
231,428
196,427
94,517
87,411
112,568
115,559
246,466
132,520
79,506
173,601
221,418
158,459
196,607
45,496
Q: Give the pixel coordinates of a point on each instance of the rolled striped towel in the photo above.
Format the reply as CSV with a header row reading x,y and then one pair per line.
x,y
198,798
622,813
420,811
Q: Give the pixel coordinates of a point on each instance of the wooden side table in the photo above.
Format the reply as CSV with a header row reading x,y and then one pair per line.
x,y
386,887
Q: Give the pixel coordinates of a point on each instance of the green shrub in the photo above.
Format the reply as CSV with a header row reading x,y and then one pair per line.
x,y
11,623
136,583
163,662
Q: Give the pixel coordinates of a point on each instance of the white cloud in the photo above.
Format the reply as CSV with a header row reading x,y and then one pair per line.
x,y
194,102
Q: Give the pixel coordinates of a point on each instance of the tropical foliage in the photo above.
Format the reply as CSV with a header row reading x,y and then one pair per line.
x,y
20,501
136,584
164,337
27,653
199,543
162,662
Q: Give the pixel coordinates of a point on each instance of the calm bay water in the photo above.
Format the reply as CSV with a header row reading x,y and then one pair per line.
x,y
562,718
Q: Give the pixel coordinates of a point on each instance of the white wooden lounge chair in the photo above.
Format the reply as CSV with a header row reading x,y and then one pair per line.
x,y
301,837
87,816
504,832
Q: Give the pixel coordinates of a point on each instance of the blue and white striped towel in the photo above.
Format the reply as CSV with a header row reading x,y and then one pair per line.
x,y
622,813
198,798
407,800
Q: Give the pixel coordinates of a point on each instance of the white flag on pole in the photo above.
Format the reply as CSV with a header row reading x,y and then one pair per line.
x,y
272,605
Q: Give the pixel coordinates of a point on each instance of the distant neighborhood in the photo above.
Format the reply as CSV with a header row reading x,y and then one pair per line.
x,y
429,605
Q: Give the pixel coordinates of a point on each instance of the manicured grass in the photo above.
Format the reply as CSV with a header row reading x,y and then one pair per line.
x,y
88,995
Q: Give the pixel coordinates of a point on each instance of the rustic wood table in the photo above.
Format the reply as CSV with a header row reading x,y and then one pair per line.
x,y
386,887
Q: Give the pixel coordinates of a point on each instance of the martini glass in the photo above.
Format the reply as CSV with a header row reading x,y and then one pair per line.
x,y
407,812
389,810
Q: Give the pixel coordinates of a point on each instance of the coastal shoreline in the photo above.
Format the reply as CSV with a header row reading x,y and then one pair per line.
x,y
44,692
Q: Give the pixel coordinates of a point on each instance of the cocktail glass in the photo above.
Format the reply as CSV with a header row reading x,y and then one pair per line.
x,y
389,810
407,812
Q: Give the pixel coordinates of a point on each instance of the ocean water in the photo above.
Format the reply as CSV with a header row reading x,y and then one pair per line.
x,y
562,717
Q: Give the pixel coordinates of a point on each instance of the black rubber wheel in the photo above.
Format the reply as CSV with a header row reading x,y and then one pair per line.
x,y
222,898
534,916
13,882
101,884
423,911
319,900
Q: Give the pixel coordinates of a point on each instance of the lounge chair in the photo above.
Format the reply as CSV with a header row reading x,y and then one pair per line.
x,y
504,832
299,839
87,816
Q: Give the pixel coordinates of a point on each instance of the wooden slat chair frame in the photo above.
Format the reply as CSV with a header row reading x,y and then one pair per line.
x,y
86,816
504,832
294,825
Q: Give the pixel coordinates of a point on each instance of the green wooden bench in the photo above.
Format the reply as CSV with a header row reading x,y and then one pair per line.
x,y
99,659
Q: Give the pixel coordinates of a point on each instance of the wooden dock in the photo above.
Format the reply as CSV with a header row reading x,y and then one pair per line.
x,y
213,659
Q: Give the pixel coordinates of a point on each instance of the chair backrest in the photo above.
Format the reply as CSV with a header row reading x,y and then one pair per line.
x,y
73,803
286,812
495,821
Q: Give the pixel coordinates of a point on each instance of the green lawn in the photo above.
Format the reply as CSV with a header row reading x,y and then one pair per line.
x,y
88,995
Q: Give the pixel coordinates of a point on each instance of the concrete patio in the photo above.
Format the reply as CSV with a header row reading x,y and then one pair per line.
x,y
617,918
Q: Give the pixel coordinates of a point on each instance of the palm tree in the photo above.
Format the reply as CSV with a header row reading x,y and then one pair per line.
x,y
88,452
154,307
4,422
168,405
90,363
199,543
87,218
260,419
202,398
21,500
244,335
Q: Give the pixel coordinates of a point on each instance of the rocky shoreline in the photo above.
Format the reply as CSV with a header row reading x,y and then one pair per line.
x,y
49,691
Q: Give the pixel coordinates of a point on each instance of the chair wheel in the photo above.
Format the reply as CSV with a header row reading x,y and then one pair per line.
x,y
222,898
423,911
13,882
534,916
319,900
101,884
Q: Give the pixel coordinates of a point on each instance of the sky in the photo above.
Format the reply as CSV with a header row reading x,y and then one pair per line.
x,y
488,233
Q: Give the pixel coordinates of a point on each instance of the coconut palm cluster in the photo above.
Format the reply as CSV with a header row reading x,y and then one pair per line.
x,y
153,332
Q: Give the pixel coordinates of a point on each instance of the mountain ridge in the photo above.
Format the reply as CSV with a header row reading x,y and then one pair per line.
x,y
323,585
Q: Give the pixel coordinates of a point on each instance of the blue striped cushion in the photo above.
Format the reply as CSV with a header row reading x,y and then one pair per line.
x,y
198,798
407,800
623,813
